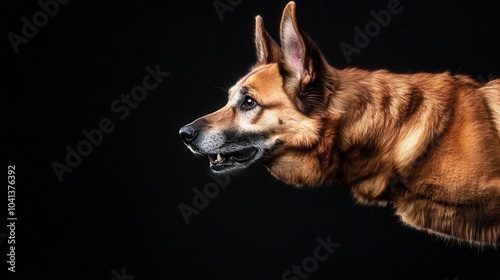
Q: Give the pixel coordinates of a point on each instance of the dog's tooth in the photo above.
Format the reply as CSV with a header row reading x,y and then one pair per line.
x,y
219,158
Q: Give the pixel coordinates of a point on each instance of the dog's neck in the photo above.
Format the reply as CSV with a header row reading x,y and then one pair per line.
x,y
345,148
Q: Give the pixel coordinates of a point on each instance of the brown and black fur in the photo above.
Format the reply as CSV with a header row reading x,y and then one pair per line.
x,y
428,144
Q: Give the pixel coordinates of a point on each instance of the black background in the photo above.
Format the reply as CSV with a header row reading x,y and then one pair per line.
x,y
119,207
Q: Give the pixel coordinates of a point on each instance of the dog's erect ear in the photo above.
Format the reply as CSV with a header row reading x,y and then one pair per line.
x,y
301,63
292,41
267,49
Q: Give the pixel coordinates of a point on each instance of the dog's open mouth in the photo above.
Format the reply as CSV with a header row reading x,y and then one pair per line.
x,y
219,162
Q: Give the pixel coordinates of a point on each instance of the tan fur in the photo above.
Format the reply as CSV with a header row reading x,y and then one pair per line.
x,y
428,144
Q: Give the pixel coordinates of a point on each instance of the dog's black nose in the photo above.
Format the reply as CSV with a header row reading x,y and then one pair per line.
x,y
188,133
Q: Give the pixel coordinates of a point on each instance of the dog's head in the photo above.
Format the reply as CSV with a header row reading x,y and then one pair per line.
x,y
275,114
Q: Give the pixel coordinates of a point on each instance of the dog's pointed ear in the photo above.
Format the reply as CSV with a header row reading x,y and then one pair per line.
x,y
292,41
266,48
302,65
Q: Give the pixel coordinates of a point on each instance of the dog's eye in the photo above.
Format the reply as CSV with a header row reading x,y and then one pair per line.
x,y
248,103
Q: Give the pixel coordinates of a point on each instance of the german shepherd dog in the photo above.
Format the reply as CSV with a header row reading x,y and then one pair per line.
x,y
427,144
